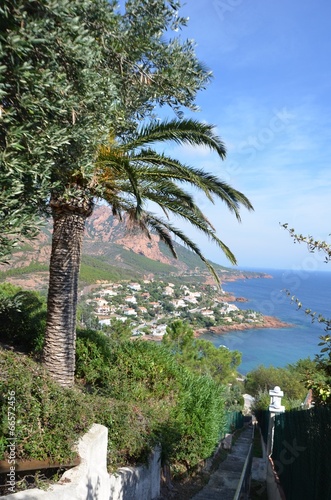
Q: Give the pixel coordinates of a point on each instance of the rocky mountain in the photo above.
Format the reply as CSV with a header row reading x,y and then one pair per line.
x,y
103,230
111,251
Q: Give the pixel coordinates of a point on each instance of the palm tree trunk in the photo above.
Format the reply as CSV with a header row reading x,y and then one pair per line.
x,y
68,231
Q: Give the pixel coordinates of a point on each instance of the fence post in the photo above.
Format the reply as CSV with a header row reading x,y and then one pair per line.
x,y
275,408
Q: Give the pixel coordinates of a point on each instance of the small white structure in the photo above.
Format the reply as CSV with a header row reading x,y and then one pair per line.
x,y
135,286
154,304
90,479
275,407
226,308
130,312
178,303
207,312
191,299
105,321
131,298
109,292
276,400
160,330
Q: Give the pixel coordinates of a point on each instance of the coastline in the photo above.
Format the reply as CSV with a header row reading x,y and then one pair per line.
x,y
268,322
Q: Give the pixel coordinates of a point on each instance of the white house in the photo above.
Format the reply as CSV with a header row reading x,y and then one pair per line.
x,y
207,312
109,292
178,303
160,330
154,304
102,307
131,298
129,312
105,321
226,308
103,310
135,286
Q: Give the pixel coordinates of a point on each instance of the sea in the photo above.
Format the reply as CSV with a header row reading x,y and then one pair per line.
x,y
269,296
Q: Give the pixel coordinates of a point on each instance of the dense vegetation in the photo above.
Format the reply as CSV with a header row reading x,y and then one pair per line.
x,y
201,356
32,268
176,393
136,388
93,269
292,379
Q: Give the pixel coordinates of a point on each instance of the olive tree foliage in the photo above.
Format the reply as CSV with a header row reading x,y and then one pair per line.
x,y
318,378
71,71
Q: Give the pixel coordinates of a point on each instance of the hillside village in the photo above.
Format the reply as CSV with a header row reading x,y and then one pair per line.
x,y
150,305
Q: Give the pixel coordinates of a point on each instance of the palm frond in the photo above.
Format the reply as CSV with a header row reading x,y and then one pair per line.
x,y
112,167
156,223
161,231
186,131
131,174
208,183
165,192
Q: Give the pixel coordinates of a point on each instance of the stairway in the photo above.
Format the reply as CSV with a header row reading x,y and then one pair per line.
x,y
224,481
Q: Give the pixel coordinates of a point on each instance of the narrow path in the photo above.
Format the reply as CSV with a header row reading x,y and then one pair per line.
x,y
223,483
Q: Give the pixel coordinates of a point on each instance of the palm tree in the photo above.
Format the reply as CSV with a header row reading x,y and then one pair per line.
x,y
128,174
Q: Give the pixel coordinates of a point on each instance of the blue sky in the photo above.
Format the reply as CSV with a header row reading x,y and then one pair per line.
x,y
270,100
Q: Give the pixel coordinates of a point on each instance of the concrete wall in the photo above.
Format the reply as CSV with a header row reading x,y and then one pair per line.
x,y
91,481
274,489
133,483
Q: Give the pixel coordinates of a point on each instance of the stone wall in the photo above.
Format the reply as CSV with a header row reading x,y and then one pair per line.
x,y
91,481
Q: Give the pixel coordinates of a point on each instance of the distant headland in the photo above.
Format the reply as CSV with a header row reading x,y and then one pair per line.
x,y
266,322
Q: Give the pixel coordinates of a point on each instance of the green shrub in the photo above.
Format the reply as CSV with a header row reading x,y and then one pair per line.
x,y
126,370
198,417
93,354
48,418
22,318
181,410
137,389
290,379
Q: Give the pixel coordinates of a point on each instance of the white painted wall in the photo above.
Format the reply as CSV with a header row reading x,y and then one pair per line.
x,y
91,481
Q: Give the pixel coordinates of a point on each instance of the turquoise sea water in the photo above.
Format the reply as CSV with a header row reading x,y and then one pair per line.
x,y
278,347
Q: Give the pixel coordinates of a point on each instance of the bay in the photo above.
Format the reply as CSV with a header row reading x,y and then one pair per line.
x,y
281,346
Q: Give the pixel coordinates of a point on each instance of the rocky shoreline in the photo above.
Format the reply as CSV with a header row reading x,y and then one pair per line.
x,y
267,322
